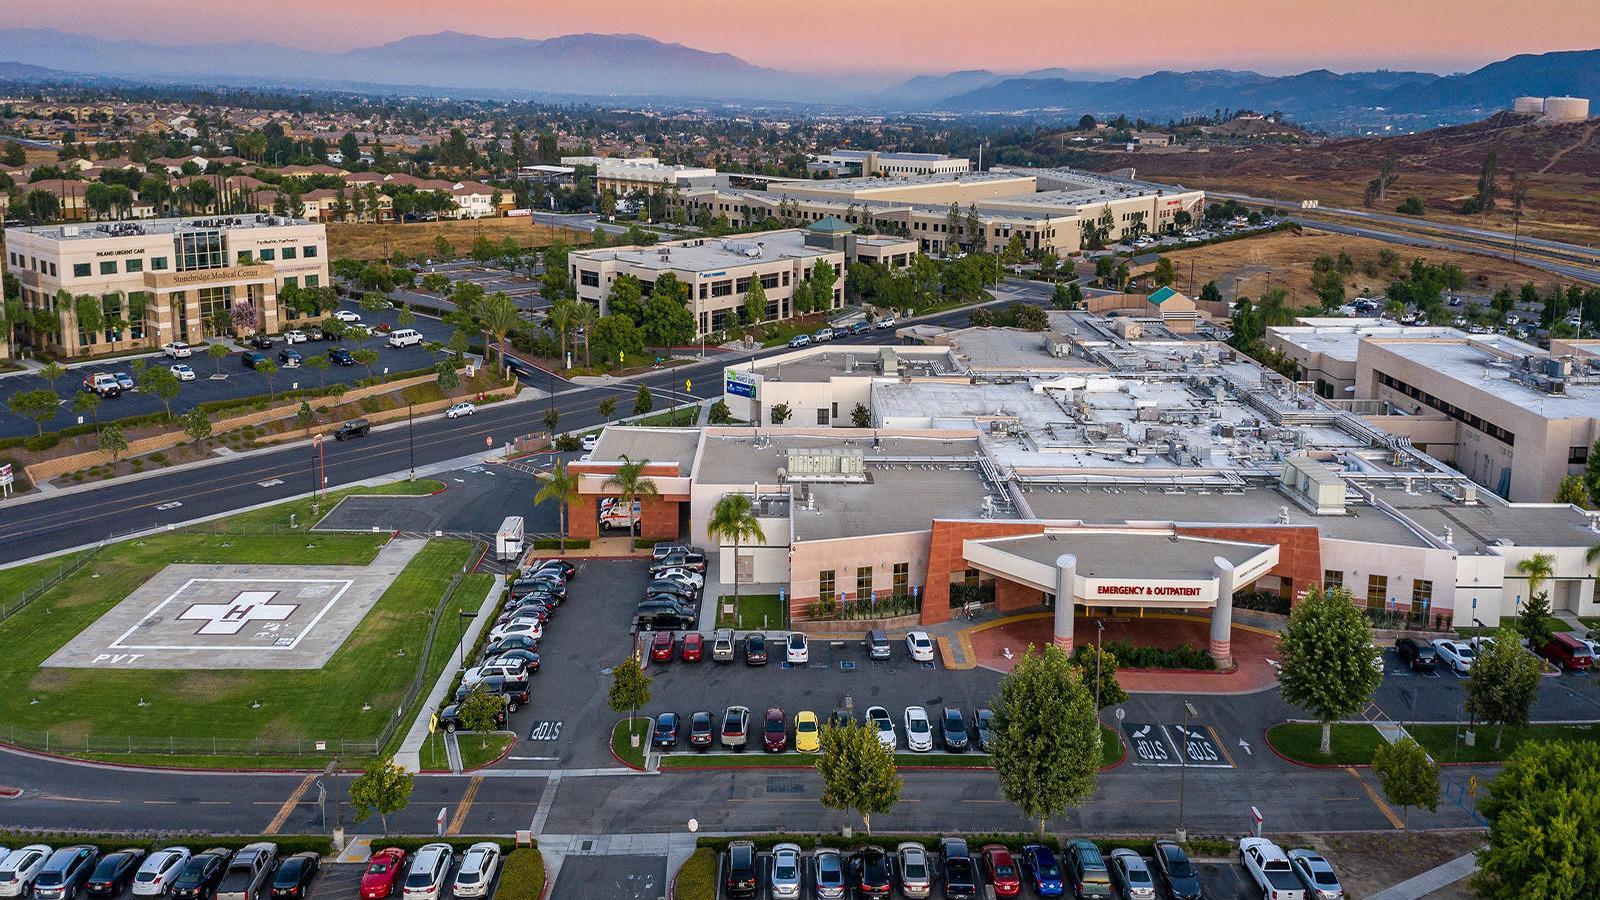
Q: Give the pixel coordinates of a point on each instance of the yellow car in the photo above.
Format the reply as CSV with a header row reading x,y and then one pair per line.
x,y
805,732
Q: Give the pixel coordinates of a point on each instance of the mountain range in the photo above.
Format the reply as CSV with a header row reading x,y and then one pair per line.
x,y
635,66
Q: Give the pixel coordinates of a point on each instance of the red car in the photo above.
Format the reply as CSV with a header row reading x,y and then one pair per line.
x,y
385,869
775,734
693,647
1002,871
661,647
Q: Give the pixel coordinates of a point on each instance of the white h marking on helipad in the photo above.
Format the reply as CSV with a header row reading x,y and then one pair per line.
x,y
231,618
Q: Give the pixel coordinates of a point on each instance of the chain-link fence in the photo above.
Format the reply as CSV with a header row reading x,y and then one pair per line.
x,y
10,606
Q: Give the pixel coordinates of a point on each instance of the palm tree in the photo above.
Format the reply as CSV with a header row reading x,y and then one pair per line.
x,y
734,519
584,317
562,314
559,485
632,486
1538,568
500,317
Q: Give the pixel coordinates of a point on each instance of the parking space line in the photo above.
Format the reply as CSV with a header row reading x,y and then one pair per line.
x,y
1376,800
289,805
463,807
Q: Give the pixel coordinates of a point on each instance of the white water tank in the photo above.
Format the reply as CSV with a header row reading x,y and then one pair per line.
x,y
1566,109
1533,105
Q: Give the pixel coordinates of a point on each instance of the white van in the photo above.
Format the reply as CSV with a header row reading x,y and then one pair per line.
x,y
508,540
405,337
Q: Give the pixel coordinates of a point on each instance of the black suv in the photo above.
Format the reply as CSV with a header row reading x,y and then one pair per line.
x,y
960,872
352,428
515,692
450,718
1416,654
201,875
741,879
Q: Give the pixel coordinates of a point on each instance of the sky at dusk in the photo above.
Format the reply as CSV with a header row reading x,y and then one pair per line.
x,y
928,36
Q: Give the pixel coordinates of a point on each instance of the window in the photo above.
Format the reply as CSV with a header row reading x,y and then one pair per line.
x,y
722,288
133,265
291,252
291,281
245,258
79,270
822,416
268,254
588,278
158,263
825,588
902,579
769,280
108,267
1577,456
1332,578
1377,591
863,582
309,251
199,250
313,280
1421,593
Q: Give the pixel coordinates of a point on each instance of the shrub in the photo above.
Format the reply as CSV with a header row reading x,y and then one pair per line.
x,y
567,443
697,879
1261,601
42,441
522,876
1183,656
158,457
371,404
555,544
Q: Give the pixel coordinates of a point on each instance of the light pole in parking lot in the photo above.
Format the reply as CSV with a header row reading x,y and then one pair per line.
x,y
411,442
1190,714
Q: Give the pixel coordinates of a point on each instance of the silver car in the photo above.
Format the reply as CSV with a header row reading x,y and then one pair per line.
x,y
1130,876
1321,882
829,866
786,878
916,877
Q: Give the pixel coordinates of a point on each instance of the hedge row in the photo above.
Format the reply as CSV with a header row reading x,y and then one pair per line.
x,y
522,876
1183,656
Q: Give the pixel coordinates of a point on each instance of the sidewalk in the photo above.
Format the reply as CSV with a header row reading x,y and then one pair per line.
x,y
1435,879
409,756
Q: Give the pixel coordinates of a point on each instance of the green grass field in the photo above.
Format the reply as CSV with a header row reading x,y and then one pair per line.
x,y
1443,745
1353,745
100,713
753,611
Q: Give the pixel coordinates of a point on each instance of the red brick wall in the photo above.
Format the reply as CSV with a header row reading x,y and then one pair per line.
x,y
945,558
1010,596
659,515
1299,549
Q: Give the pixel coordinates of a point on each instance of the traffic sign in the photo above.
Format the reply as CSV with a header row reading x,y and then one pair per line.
x,y
688,386
433,723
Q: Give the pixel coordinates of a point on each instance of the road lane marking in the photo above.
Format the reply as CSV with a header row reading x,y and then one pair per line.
x,y
63,799
1376,800
1220,745
463,807
288,805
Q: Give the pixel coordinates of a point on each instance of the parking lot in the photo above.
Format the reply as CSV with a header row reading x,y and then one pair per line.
x,y
523,289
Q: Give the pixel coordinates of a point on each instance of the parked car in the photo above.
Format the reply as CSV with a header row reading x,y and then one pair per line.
x,y
19,869
177,350
1086,870
252,359
983,723
741,879
878,719
869,867
405,337
515,691
382,873
683,592
1130,876
659,551
295,336
1567,652
201,875
661,647
755,649
800,340
828,873
722,645
1269,868
346,316
352,429
429,867
685,559
1001,870
124,380
666,731
650,617
886,322
797,650
878,646
102,383
591,441
916,876
114,873
181,372
775,731
460,409
822,334
294,876
960,872
953,729
476,873
505,645
508,669
919,734
692,648
1458,655
688,577
1416,654
1043,872
248,872
528,659
920,646
528,627
807,736
1317,874
65,872
290,359
861,327
1176,874
700,730
261,341
158,872
786,878
450,717
735,727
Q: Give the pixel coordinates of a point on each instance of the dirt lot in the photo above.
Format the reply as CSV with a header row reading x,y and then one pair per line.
x,y
1368,863
1251,266
370,241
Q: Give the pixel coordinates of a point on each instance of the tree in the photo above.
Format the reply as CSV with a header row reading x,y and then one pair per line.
x,y
1411,206
781,413
1409,778
38,404
1047,736
1504,683
1531,619
860,417
480,712
608,408
858,771
112,442
823,278
1571,491
443,249
319,362
1104,669
366,356
755,302
383,788
1327,658
559,318
632,485
448,378
552,416
196,424
1591,474
88,402
1543,809
734,519
559,485
1488,185
719,414
1163,275
630,688
52,373
615,337
643,401
218,352
1061,297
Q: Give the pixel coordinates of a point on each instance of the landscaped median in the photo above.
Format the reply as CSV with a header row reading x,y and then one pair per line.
x,y
477,750
1354,743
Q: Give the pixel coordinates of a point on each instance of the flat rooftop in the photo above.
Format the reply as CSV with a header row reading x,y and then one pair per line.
x,y
891,156
711,254
895,498
1341,339
868,182
87,231
658,445
745,456
860,360
1125,555
1475,529
1473,363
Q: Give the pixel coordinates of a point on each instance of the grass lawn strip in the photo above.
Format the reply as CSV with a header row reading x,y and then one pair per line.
x,y
1353,745
475,750
1443,744
697,877
623,748
374,666
753,612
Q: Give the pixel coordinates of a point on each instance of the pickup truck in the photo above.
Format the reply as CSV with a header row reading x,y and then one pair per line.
x,y
1269,867
248,872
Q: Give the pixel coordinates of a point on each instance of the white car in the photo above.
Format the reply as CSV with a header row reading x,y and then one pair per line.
x,y
477,871
878,719
786,873
532,628
919,734
425,879
590,441
177,350
1458,655
512,670
346,316
182,372
885,322
459,410
798,651
294,337
920,646
686,577
159,871
20,868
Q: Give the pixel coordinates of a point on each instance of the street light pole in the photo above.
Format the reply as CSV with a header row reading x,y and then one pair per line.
x,y
411,441
1183,765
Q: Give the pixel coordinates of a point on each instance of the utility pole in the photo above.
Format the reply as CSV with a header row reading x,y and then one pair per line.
x,y
1183,765
411,442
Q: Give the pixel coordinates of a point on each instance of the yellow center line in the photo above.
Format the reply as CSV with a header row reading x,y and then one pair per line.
x,y
289,805
1220,746
462,808
1376,800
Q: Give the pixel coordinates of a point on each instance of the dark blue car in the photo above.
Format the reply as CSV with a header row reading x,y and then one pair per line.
x,y
1039,864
